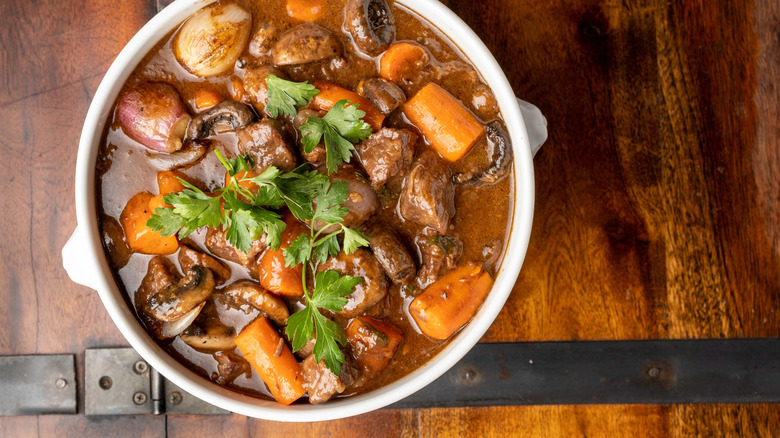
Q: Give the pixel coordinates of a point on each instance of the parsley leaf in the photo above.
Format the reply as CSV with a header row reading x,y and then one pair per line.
x,y
242,214
330,293
329,202
353,240
284,95
340,129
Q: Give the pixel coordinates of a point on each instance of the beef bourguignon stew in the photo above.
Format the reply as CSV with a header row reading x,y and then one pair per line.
x,y
304,199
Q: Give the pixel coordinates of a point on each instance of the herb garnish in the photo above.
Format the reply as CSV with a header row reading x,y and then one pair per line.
x,y
284,95
246,215
242,214
341,129
329,288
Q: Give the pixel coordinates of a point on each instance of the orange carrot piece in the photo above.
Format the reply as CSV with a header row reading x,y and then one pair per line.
x,y
402,60
373,343
448,304
305,10
205,98
168,181
139,237
447,125
331,94
271,271
260,342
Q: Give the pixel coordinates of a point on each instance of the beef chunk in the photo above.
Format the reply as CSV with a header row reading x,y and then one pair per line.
x,y
321,383
439,256
263,141
367,293
229,366
217,243
428,195
386,153
391,253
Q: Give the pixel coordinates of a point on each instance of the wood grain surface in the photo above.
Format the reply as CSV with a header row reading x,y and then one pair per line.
x,y
657,212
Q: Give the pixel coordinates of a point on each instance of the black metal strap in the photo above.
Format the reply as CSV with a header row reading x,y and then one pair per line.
x,y
619,372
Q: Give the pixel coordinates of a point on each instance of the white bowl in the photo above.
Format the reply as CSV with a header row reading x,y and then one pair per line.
x,y
86,264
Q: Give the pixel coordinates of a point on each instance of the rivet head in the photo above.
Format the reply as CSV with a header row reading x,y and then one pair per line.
x,y
175,398
653,372
139,398
61,383
140,367
105,383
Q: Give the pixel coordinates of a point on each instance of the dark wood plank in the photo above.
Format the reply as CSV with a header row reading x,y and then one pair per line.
x,y
657,210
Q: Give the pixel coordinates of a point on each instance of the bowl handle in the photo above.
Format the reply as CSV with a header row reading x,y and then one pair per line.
x,y
76,260
535,124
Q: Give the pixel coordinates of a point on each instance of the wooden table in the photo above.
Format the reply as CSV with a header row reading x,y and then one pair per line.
x,y
657,213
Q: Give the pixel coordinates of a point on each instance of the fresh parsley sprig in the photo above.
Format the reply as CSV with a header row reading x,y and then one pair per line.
x,y
330,292
284,95
341,128
329,288
242,214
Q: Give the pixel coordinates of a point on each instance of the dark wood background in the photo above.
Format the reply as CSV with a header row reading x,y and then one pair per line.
x,y
657,213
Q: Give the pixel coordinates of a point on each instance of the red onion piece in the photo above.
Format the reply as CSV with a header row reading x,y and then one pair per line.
x,y
153,115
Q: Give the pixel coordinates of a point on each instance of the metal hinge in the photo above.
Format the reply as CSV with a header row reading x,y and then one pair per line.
x,y
119,381
38,384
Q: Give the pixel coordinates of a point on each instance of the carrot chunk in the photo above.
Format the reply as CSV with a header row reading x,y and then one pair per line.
x,y
168,181
446,124
373,343
139,237
205,98
305,10
448,304
331,94
271,271
402,60
260,342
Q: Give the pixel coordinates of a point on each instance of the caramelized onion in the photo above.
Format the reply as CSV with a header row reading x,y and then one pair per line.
x,y
173,328
153,115
211,40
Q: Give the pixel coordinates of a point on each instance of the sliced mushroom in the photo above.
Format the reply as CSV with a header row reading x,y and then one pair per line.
x,y
175,301
305,43
498,162
228,115
189,257
385,95
188,155
208,332
251,293
371,24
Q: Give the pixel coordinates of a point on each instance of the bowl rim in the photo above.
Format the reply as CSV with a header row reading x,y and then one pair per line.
x,y
472,48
